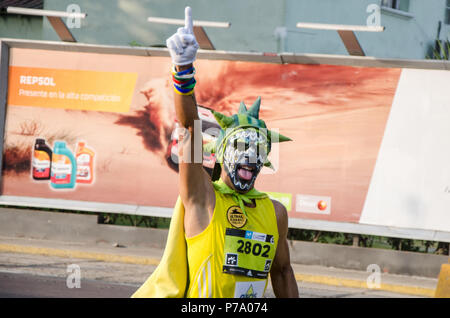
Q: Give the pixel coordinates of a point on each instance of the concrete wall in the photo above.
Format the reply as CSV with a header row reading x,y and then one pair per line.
x,y
21,27
257,25
358,258
72,227
84,228
404,37
123,21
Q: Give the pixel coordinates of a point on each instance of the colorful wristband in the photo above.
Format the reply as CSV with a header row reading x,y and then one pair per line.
x,y
188,71
183,90
184,94
184,81
186,74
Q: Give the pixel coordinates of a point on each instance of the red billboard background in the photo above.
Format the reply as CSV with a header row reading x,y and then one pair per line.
x,y
336,116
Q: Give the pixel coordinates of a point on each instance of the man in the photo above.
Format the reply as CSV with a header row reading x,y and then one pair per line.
x,y
234,236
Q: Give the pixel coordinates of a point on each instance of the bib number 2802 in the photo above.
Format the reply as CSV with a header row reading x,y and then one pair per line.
x,y
248,253
256,249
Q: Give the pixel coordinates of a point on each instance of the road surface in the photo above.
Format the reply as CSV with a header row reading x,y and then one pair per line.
x,y
29,275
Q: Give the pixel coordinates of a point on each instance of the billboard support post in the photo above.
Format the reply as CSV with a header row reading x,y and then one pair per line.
x,y
346,33
355,240
61,29
351,43
4,65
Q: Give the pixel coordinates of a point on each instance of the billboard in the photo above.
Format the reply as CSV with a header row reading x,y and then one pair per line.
x,y
368,155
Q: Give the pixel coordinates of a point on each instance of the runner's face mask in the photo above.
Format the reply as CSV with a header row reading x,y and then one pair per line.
x,y
242,145
244,155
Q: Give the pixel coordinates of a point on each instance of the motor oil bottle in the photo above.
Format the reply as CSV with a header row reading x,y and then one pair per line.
x,y
85,163
64,167
41,161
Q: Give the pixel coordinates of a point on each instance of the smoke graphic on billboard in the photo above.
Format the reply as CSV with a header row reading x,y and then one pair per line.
x,y
149,122
278,85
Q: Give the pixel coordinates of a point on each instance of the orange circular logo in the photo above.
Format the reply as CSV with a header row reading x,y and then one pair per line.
x,y
322,205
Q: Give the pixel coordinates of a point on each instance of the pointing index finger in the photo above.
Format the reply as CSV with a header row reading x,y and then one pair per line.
x,y
188,24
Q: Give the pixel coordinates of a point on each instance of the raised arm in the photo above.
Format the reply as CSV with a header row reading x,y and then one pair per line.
x,y
195,185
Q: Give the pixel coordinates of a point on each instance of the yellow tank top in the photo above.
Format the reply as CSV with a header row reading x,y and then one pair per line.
x,y
232,257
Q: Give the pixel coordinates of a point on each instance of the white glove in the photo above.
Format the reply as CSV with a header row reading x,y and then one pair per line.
x,y
182,45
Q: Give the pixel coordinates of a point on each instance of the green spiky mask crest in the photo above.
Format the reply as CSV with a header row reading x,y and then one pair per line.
x,y
244,119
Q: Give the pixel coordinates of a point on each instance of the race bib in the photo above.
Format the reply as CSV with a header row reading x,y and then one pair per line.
x,y
248,253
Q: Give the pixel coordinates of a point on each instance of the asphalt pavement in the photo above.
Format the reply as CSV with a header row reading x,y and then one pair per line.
x,y
44,268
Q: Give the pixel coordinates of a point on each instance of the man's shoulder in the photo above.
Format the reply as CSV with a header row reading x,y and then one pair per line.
x,y
280,211
278,206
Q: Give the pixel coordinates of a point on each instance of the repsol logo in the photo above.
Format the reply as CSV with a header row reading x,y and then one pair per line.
x,y
37,80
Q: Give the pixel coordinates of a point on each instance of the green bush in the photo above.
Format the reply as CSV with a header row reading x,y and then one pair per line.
x,y
441,50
